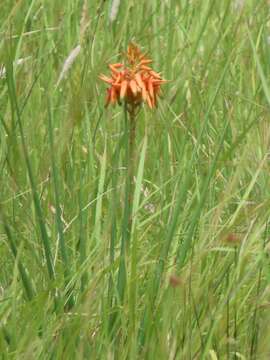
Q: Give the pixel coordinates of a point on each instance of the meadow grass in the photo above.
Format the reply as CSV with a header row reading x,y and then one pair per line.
x,y
191,278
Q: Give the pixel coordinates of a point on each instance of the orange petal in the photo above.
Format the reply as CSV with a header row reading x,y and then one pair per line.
x,y
123,89
113,95
106,79
144,92
146,68
117,78
133,87
149,101
155,74
114,68
117,65
139,80
142,56
150,88
158,82
145,61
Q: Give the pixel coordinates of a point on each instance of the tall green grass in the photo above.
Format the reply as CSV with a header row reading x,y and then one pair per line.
x,y
190,278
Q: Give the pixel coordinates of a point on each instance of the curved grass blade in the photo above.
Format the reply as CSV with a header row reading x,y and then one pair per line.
x,y
39,214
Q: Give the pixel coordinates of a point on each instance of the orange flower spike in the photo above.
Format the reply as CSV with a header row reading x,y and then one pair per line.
x,y
135,81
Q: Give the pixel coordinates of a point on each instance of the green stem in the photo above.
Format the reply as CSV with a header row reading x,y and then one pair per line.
x,y
130,134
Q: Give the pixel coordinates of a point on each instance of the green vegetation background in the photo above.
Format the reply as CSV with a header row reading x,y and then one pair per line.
x,y
197,275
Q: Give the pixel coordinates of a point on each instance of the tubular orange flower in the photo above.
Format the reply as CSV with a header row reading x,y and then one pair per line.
x,y
134,82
